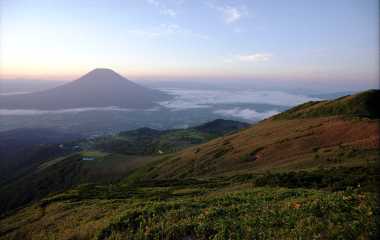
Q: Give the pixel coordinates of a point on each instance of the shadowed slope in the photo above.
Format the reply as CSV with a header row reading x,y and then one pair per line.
x,y
53,167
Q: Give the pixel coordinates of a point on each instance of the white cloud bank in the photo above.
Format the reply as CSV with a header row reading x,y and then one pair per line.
x,y
246,113
196,99
188,99
21,112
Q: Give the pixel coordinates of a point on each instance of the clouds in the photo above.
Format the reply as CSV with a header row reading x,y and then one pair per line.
x,y
246,113
249,105
243,104
254,57
163,30
169,12
230,14
188,99
24,112
163,9
249,58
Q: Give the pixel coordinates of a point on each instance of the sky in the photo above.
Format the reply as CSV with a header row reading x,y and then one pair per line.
x,y
300,42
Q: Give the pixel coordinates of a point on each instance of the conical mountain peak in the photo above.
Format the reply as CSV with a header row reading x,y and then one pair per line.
x,y
100,87
101,75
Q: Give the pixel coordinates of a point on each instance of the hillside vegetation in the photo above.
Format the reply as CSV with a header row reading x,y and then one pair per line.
x,y
287,177
195,209
278,145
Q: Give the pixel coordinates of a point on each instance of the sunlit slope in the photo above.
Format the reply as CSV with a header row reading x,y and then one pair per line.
x,y
291,143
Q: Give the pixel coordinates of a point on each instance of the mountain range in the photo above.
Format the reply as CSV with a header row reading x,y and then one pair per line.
x,y
99,88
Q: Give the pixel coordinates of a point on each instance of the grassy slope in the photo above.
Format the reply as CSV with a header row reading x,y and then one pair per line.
x,y
223,190
195,210
279,145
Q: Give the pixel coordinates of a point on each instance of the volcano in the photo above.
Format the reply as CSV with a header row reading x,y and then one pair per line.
x,y
100,87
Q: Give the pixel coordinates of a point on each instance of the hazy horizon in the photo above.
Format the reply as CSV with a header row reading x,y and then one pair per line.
x,y
324,44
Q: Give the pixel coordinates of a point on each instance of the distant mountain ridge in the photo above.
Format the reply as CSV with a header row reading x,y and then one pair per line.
x,y
100,87
144,141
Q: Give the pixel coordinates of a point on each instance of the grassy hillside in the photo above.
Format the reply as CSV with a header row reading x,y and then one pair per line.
x,y
287,177
279,145
196,209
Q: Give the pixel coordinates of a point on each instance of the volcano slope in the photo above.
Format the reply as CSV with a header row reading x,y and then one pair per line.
x,y
293,176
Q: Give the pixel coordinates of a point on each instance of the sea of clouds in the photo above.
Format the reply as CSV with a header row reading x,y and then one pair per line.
x,y
246,113
192,99
20,112
188,100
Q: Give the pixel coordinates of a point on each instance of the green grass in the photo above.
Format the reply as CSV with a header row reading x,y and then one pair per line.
x,y
94,154
218,208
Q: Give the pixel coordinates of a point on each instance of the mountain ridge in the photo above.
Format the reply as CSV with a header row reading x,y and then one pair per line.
x,y
363,104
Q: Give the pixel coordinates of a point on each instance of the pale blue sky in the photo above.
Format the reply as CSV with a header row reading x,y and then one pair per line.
x,y
329,41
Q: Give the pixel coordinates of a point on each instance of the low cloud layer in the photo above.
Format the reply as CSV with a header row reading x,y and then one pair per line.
x,y
200,99
245,113
20,112
189,99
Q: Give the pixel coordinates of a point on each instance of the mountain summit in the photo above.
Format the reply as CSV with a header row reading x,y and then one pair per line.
x,y
100,87
102,75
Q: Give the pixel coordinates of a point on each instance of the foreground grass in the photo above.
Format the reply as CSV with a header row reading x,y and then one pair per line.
x,y
196,209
